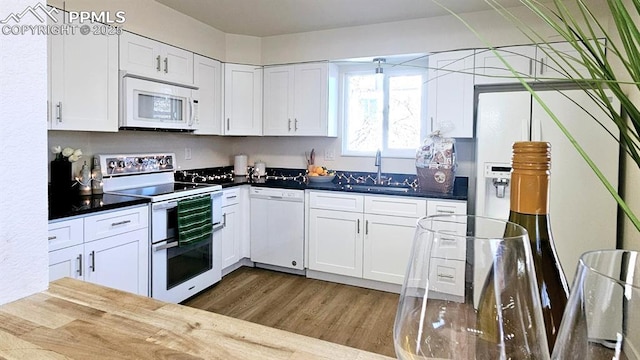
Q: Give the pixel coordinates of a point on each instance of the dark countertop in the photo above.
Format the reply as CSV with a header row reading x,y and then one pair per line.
x,y
62,206
460,188
295,179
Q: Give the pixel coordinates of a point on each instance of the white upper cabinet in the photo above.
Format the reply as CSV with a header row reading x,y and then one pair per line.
x,y
450,93
242,100
491,70
207,77
531,62
300,100
146,57
83,80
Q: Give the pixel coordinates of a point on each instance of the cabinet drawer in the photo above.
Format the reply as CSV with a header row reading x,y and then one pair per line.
x,y
230,196
65,233
395,206
447,276
450,247
115,222
440,207
336,201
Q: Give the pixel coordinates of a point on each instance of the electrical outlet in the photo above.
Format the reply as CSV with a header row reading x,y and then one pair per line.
x,y
329,155
187,153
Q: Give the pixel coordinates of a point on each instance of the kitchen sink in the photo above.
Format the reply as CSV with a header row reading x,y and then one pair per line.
x,y
377,188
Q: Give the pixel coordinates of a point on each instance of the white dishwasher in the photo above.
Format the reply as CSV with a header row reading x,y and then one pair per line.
x,y
277,227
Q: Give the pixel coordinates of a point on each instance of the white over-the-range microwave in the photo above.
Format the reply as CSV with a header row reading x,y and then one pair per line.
x,y
154,105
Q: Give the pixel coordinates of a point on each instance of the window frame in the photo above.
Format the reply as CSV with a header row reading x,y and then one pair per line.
x,y
368,69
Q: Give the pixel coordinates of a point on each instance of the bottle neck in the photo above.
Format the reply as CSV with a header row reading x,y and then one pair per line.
x,y
530,191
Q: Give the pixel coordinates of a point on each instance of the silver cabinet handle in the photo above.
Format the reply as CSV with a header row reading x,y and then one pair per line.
x,y
366,227
120,222
59,111
531,67
289,124
227,124
166,65
295,125
358,226
158,63
232,197
445,276
224,220
79,271
93,261
52,237
445,211
542,66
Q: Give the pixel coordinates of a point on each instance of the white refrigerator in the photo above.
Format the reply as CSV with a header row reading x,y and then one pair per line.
x,y
583,213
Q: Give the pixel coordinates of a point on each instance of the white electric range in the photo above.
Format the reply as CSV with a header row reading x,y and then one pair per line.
x,y
177,271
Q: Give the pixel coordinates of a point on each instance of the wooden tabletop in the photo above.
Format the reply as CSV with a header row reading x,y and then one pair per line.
x,y
80,320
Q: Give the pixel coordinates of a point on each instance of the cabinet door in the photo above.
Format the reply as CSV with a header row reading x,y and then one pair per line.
x,y
177,64
450,93
84,81
207,76
242,99
278,100
387,246
558,62
335,242
489,69
140,55
67,262
231,235
310,99
120,262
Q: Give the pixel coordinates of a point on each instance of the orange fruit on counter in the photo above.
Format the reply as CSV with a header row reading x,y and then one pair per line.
x,y
319,170
313,174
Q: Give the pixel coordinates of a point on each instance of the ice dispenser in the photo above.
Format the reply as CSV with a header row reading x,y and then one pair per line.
x,y
496,190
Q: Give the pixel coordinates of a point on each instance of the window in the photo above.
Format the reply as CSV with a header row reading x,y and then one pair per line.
x,y
384,111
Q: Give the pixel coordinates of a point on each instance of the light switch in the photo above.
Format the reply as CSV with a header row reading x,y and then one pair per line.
x,y
187,153
329,155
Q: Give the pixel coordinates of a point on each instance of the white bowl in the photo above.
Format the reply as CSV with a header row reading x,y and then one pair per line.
x,y
321,178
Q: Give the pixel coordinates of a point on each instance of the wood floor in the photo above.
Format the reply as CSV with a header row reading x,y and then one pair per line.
x,y
348,315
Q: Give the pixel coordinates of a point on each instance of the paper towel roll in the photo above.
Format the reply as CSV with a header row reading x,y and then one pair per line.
x,y
240,165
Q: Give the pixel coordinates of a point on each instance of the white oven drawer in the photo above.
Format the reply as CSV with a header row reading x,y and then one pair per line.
x,y
65,233
115,222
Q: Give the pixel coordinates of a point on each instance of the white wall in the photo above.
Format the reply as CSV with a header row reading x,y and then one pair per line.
x,y
157,21
23,203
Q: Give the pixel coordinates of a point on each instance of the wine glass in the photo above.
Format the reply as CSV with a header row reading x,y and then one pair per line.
x,y
470,292
602,317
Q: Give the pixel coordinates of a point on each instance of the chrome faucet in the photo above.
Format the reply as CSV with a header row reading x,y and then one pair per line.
x,y
379,165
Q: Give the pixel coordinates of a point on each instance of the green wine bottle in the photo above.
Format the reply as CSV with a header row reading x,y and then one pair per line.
x,y
529,208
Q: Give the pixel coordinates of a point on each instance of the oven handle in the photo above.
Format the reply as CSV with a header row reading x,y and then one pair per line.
x,y
164,246
166,205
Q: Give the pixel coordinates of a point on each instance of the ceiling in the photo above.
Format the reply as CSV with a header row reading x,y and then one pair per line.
x,y
276,17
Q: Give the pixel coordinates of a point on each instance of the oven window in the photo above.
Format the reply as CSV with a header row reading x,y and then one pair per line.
x,y
187,262
159,107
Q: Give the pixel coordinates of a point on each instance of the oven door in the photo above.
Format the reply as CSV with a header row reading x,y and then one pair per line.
x,y
179,272
150,104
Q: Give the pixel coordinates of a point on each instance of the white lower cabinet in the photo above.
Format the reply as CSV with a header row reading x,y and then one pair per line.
x,y
66,262
335,242
120,261
448,257
363,236
232,225
387,247
110,248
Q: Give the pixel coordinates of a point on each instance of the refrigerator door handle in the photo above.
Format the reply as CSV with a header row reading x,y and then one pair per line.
x,y
525,129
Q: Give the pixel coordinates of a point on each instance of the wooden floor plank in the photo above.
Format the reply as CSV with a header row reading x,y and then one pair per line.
x,y
347,315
